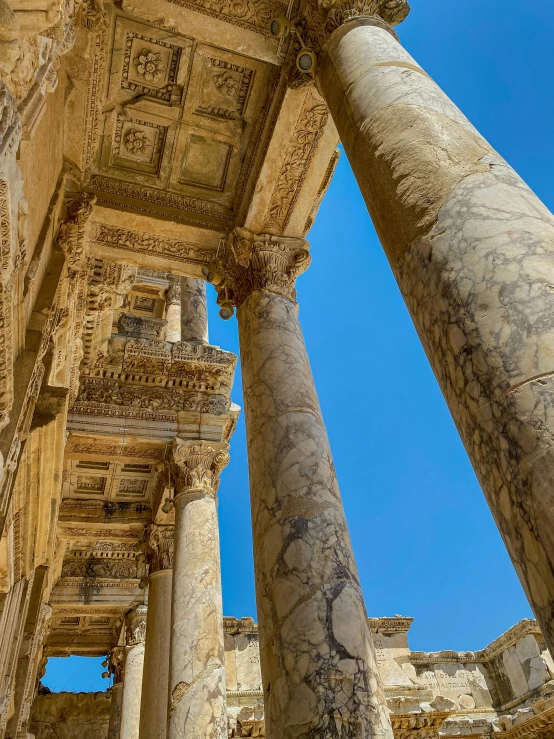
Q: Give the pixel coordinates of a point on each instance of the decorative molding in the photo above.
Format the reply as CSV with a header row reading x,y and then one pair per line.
x,y
133,190
104,397
139,242
92,568
388,626
197,466
257,262
252,15
300,152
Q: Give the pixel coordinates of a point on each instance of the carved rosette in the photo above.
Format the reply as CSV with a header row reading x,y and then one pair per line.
x,y
197,465
257,262
160,543
135,632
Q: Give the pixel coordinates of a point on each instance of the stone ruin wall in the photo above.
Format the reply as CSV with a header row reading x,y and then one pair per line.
x,y
505,690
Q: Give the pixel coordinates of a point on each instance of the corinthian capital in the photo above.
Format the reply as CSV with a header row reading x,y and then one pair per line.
x,y
160,548
71,235
319,18
258,262
198,465
135,632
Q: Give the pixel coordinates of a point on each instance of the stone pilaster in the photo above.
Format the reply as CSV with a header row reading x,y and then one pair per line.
x,y
197,708
135,634
153,713
194,311
173,310
472,250
318,664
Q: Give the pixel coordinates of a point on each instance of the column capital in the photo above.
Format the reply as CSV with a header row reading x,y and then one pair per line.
x,y
135,627
319,18
160,543
197,466
257,262
116,664
173,294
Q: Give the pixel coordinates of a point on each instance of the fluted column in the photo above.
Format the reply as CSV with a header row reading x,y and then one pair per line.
x,y
197,706
318,664
116,666
472,249
173,310
132,679
153,709
194,311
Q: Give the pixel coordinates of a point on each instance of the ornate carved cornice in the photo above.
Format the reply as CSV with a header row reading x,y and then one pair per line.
x,y
197,465
160,544
257,262
135,631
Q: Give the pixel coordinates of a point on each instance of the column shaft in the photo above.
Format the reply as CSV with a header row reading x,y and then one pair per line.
x,y
318,664
173,310
472,249
197,698
194,310
155,681
114,727
132,676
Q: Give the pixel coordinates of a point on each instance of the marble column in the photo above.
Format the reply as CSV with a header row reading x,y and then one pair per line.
x,y
197,700
116,661
194,311
173,310
153,709
472,250
132,679
318,664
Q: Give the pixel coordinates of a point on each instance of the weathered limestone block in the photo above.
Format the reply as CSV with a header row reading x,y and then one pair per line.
x,y
71,715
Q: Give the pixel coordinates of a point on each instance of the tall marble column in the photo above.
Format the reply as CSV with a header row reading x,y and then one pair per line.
x,y
318,663
173,310
197,700
116,662
132,676
194,311
153,709
472,249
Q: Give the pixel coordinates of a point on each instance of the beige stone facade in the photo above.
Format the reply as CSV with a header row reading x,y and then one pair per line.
x,y
148,147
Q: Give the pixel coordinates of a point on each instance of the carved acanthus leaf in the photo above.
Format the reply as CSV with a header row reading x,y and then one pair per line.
x,y
197,465
258,262
160,543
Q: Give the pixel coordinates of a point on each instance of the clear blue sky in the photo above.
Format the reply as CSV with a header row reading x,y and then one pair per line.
x,y
425,542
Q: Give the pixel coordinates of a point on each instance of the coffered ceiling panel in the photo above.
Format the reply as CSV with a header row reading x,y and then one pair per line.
x,y
174,124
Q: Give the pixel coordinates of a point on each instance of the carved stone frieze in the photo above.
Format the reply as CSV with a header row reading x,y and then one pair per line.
x,y
160,543
151,244
197,465
93,567
257,262
82,446
253,15
98,396
302,147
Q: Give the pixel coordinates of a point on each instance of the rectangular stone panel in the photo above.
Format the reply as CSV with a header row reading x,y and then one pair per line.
x,y
206,162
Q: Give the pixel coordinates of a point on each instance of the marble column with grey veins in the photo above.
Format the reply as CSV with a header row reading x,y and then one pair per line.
x,y
472,249
319,672
155,681
117,666
194,311
197,696
132,674
173,310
